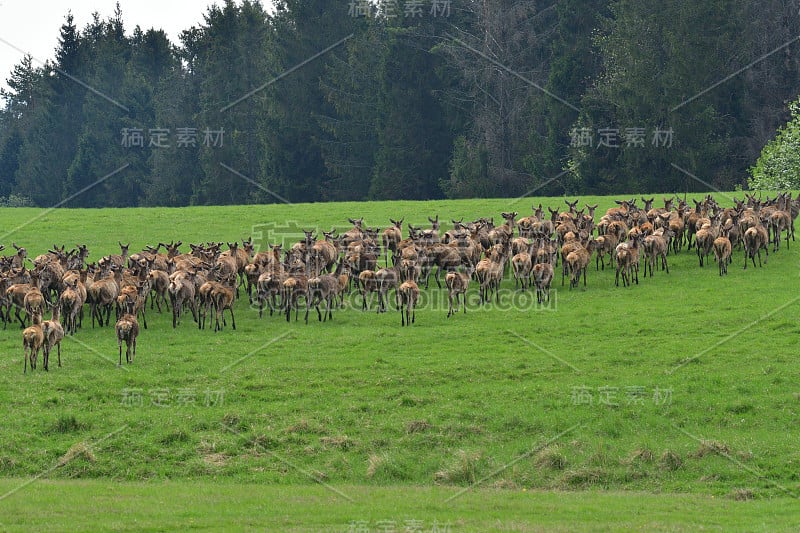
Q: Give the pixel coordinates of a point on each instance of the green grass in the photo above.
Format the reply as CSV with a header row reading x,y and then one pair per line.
x,y
222,505
686,383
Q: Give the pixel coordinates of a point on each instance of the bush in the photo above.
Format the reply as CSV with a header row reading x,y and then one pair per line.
x,y
15,200
778,166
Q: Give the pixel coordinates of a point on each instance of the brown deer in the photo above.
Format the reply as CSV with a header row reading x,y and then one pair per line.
x,y
127,330
722,252
755,239
489,273
409,295
322,288
53,333
391,237
542,279
457,284
32,341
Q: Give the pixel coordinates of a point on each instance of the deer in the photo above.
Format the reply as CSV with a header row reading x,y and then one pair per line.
x,y
368,284
182,293
578,261
322,288
657,245
223,295
628,261
294,287
159,285
457,284
605,245
20,284
120,259
32,342
542,274
780,220
34,299
704,240
409,295
521,265
755,238
53,334
70,303
391,237
127,330
18,260
722,252
103,293
502,234
489,273
387,279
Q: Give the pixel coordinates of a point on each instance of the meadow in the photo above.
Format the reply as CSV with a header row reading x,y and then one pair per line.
x,y
671,404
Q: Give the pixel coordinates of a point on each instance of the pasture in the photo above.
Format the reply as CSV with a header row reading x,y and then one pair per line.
x,y
679,392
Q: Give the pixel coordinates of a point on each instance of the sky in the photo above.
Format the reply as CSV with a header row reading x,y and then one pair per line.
x,y
32,26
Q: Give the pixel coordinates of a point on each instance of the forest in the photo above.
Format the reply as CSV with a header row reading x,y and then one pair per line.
x,y
313,100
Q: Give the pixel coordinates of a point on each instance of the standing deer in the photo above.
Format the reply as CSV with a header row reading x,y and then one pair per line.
x,y
457,284
32,341
127,329
53,334
409,295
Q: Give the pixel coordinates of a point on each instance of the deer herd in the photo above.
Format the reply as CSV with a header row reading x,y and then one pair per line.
x,y
320,273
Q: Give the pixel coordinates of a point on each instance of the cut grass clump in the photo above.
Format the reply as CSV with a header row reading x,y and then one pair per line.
x,y
67,424
670,461
466,468
709,447
550,458
77,451
641,455
741,495
418,426
342,442
178,436
303,426
584,477
383,468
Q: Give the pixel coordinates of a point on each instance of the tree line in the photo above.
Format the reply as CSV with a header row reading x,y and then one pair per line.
x,y
400,99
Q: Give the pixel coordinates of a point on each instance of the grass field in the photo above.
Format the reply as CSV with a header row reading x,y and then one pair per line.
x,y
680,393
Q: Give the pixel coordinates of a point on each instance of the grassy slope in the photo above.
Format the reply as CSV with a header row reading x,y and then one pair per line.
x,y
360,401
